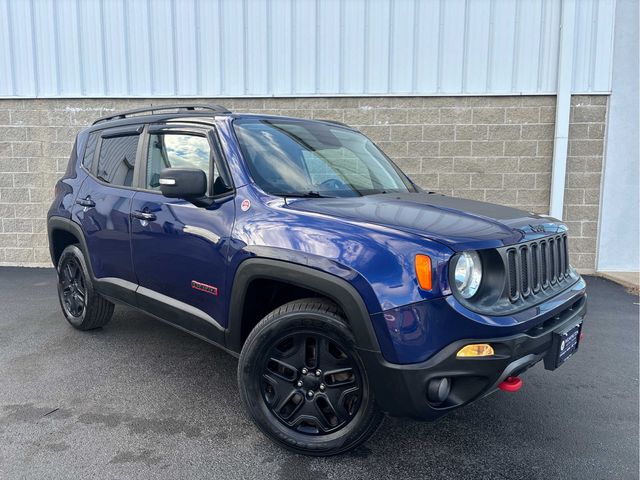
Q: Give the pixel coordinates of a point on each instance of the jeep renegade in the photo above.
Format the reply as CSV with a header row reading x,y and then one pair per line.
x,y
346,291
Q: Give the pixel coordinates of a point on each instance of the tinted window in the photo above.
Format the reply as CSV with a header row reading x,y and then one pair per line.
x,y
117,160
297,157
89,151
179,150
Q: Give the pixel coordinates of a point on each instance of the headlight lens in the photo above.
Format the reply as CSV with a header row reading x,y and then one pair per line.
x,y
468,273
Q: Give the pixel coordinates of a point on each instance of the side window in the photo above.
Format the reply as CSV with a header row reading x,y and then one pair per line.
x,y
175,150
89,151
180,150
117,159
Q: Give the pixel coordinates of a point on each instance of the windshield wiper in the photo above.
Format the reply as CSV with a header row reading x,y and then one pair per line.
x,y
309,194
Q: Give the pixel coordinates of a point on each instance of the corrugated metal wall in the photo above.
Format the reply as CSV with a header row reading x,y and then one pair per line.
x,y
70,48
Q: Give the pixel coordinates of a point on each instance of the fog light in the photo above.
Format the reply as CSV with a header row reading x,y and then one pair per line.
x,y
438,390
476,350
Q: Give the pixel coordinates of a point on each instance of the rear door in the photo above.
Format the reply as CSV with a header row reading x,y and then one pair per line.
x,y
103,203
179,250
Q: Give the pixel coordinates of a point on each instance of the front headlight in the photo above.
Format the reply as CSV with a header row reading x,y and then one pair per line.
x,y
468,273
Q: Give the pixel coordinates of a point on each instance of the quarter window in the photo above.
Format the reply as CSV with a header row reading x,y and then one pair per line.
x,y
89,151
117,160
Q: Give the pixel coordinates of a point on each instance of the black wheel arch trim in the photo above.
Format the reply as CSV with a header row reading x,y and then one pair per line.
x,y
330,286
67,225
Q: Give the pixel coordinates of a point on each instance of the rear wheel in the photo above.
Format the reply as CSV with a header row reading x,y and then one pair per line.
x,y
82,306
303,382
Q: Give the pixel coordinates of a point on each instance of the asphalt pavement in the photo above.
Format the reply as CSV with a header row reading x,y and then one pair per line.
x,y
139,399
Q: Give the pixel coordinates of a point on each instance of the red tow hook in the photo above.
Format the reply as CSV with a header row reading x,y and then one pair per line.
x,y
511,384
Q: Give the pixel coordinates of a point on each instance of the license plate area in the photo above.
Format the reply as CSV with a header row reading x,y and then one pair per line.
x,y
564,343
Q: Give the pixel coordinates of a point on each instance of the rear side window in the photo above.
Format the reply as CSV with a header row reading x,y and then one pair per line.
x,y
89,151
117,160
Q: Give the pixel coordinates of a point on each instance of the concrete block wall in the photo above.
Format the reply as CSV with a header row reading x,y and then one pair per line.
x,y
497,149
587,133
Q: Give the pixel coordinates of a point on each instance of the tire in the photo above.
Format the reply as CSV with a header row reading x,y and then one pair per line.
x,y
82,306
306,346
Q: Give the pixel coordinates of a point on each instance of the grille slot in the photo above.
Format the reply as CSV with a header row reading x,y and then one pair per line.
x,y
537,266
562,253
535,280
513,278
543,264
552,261
524,271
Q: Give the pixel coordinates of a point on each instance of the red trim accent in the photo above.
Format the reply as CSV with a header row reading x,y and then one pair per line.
x,y
511,384
203,287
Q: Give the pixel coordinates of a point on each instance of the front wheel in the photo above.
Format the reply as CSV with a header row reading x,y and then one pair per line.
x,y
303,383
83,307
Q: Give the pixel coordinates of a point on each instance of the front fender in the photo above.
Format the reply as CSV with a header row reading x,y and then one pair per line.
x,y
338,289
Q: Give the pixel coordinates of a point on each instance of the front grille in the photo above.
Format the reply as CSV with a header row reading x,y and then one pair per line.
x,y
537,266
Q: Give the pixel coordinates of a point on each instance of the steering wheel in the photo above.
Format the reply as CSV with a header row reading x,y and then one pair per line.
x,y
332,184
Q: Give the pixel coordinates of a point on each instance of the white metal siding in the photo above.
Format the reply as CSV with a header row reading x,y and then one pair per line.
x,y
96,48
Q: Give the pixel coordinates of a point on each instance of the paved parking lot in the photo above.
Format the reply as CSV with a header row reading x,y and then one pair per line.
x,y
139,399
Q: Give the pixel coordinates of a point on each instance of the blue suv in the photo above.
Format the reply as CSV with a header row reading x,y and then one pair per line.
x,y
346,291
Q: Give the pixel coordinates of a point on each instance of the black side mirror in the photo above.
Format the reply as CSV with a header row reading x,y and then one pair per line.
x,y
186,183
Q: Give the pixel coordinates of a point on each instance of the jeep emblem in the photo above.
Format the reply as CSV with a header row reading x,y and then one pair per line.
x,y
537,228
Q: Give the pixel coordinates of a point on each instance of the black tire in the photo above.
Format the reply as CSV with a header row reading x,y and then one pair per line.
x,y
340,413
82,306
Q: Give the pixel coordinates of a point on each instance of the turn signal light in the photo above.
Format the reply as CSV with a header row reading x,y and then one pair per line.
x,y
476,350
423,271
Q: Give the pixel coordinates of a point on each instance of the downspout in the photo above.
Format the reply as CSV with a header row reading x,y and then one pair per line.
x,y
563,108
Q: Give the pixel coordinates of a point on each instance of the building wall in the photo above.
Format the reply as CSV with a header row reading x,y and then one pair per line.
x,y
497,149
138,48
620,221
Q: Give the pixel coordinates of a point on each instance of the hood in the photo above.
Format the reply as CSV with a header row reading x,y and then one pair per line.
x,y
458,223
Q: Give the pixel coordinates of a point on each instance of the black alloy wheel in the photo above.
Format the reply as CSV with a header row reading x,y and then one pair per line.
x,y
303,382
311,384
83,307
74,290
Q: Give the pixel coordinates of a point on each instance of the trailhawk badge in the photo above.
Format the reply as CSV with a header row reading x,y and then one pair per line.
x,y
203,287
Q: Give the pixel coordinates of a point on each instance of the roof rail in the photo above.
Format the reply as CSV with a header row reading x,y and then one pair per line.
x,y
185,108
335,122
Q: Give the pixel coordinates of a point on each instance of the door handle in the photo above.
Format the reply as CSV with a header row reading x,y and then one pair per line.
x,y
149,217
86,202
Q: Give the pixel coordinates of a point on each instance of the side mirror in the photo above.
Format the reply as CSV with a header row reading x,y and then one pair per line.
x,y
186,183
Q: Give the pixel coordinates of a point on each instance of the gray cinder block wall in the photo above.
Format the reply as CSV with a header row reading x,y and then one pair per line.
x,y
497,149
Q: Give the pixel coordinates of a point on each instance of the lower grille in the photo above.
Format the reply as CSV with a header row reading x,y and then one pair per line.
x,y
536,266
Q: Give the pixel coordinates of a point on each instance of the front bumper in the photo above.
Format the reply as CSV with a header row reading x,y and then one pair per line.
x,y
401,390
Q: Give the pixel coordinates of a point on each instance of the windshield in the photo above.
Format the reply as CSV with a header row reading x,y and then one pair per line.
x,y
302,158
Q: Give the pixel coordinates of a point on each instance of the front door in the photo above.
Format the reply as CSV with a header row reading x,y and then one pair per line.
x,y
179,250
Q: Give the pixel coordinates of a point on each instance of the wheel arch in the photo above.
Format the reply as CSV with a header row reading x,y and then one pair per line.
x,y
330,286
62,232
